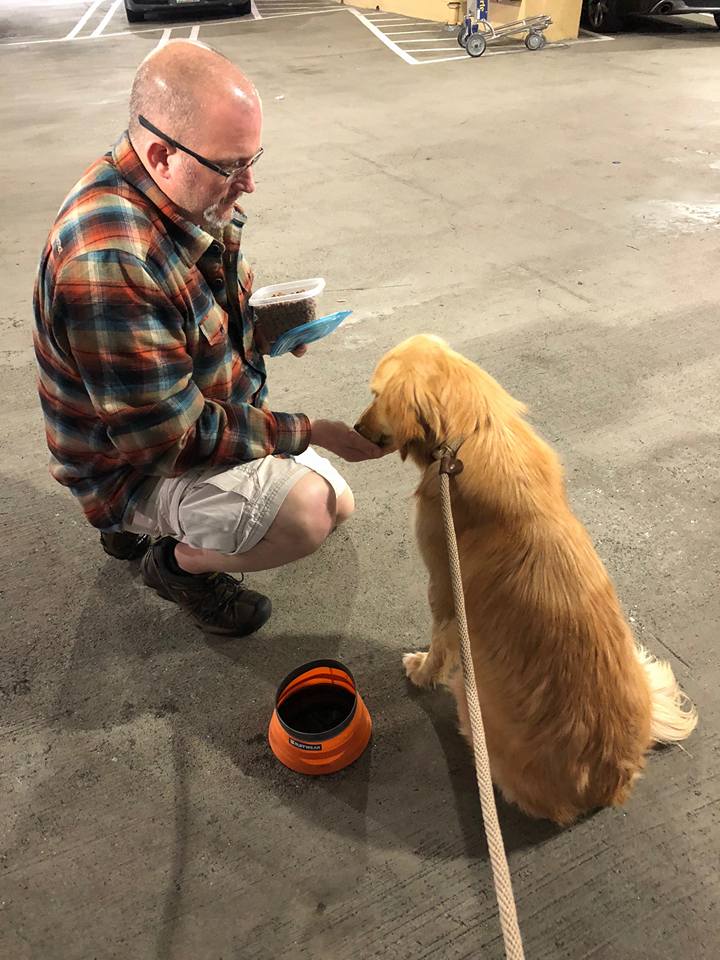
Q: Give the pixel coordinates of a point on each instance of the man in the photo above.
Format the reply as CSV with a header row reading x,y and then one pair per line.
x,y
152,382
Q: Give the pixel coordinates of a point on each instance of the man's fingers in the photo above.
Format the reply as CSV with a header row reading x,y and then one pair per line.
x,y
367,448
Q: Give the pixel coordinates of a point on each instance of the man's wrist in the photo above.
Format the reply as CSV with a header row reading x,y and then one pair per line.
x,y
318,434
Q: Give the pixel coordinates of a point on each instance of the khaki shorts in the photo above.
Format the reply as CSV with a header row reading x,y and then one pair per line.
x,y
228,510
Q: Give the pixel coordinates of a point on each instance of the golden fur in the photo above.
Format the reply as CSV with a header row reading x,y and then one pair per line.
x,y
570,704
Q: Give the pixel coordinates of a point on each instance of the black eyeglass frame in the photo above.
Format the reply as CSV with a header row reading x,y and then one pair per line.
x,y
215,167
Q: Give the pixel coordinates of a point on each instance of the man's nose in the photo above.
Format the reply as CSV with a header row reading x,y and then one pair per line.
x,y
247,181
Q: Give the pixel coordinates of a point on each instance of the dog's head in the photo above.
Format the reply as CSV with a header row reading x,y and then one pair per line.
x,y
425,395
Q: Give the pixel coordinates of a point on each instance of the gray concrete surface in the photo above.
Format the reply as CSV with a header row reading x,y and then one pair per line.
x,y
556,218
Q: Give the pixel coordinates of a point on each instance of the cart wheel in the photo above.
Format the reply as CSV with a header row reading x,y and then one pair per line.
x,y
535,41
476,45
462,37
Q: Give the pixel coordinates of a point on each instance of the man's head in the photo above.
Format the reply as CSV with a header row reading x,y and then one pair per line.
x,y
197,97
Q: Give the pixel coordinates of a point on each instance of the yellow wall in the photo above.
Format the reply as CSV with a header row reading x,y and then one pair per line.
x,y
565,13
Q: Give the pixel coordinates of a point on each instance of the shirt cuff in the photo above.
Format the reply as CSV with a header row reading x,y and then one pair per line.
x,y
293,432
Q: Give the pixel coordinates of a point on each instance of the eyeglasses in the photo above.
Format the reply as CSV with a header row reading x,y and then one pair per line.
x,y
232,172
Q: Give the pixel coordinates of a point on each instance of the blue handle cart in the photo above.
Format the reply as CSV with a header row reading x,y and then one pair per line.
x,y
476,31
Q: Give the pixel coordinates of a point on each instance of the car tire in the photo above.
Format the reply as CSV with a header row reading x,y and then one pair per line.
x,y
134,16
717,20
602,16
242,9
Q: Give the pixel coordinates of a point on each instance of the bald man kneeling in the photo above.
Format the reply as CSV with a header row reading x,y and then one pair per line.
x,y
151,380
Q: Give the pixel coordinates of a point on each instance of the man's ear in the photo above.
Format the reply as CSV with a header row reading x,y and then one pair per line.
x,y
157,155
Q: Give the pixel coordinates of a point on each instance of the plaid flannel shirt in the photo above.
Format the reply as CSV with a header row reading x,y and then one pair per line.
x,y
145,343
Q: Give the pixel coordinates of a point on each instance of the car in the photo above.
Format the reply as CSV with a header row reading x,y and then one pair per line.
x,y
608,16
135,10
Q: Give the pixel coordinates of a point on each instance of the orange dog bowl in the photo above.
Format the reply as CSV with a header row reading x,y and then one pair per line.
x,y
320,723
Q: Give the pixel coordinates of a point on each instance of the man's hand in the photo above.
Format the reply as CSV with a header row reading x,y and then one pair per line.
x,y
264,347
342,440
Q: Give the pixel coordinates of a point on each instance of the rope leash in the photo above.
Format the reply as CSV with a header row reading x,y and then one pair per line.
x,y
450,465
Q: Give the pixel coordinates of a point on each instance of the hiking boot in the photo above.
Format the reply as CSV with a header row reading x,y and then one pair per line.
x,y
216,601
124,546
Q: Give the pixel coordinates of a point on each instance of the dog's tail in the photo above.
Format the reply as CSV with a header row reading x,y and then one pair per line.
x,y
673,715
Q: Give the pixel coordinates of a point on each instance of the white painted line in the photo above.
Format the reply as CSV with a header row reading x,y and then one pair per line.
x,y
445,59
288,8
405,23
195,31
302,13
106,19
406,33
83,20
254,11
426,40
597,36
164,38
403,54
434,49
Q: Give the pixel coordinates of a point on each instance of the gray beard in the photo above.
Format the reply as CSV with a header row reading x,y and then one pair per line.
x,y
214,223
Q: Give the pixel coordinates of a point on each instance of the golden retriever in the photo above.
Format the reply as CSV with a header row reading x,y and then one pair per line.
x,y
570,703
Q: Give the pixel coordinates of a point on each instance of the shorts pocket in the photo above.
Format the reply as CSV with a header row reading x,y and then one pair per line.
x,y
215,513
236,480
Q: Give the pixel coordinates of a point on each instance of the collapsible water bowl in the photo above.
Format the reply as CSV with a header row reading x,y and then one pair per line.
x,y
320,723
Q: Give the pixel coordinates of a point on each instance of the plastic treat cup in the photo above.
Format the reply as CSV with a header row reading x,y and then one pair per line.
x,y
320,723
281,306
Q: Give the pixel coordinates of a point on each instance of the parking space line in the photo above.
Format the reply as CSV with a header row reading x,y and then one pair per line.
x,y
195,31
268,11
402,23
303,13
106,19
447,59
596,36
397,23
406,33
83,20
254,11
403,54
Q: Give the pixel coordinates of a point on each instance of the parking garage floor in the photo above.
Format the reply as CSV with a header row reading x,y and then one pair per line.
x,y
556,217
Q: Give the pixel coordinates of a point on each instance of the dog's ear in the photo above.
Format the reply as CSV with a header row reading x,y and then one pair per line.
x,y
414,415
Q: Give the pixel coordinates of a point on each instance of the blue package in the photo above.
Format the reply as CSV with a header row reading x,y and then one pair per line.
x,y
308,332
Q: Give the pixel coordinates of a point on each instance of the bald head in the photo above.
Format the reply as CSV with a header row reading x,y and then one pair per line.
x,y
195,96
185,87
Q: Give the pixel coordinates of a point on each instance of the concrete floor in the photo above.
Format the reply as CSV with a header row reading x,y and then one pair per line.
x,y
559,224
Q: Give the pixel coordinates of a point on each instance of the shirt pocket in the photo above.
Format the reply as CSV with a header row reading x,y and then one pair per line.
x,y
246,277
214,326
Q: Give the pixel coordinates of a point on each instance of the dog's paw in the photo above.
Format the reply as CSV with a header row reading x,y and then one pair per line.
x,y
414,663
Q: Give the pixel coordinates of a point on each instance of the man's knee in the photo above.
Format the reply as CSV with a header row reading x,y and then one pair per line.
x,y
314,511
344,505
